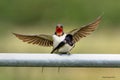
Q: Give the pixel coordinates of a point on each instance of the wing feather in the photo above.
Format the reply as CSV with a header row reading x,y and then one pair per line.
x,y
85,30
42,40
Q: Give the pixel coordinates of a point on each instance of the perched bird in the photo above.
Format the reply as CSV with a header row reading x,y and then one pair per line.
x,y
61,42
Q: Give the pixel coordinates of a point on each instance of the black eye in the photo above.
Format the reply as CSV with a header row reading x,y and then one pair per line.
x,y
61,26
56,26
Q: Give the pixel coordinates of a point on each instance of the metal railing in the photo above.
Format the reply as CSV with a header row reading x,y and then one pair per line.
x,y
56,60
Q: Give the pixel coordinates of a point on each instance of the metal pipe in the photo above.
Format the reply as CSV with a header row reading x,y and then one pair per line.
x,y
56,60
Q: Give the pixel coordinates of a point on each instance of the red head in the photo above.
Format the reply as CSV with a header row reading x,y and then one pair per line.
x,y
59,30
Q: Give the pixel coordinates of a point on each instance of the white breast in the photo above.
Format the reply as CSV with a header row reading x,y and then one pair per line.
x,y
57,40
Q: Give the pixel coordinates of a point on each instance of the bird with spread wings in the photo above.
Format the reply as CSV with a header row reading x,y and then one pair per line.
x,y
61,42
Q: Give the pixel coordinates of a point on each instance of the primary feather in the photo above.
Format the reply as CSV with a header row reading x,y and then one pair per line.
x,y
42,39
85,30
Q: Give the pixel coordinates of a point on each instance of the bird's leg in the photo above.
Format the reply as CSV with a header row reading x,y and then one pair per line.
x,y
42,69
68,53
64,53
58,69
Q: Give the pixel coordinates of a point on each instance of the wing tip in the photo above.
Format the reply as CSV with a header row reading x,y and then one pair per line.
x,y
15,34
100,17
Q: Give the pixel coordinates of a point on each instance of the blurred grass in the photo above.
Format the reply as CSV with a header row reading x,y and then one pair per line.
x,y
34,73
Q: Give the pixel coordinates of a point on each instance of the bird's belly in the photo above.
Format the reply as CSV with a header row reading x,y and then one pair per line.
x,y
66,48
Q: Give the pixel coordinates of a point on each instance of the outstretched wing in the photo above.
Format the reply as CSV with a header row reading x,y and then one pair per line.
x,y
85,30
42,40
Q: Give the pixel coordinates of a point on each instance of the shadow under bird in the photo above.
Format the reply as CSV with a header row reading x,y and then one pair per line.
x,y
61,42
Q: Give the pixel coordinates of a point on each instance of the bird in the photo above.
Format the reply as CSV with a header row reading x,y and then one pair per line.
x,y
61,42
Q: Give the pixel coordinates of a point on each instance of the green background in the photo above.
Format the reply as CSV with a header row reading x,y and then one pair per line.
x,y
41,16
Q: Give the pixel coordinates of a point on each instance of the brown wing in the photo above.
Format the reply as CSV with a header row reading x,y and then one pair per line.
x,y
42,40
85,30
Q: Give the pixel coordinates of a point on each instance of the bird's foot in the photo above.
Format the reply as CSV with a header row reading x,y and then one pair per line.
x,y
64,53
